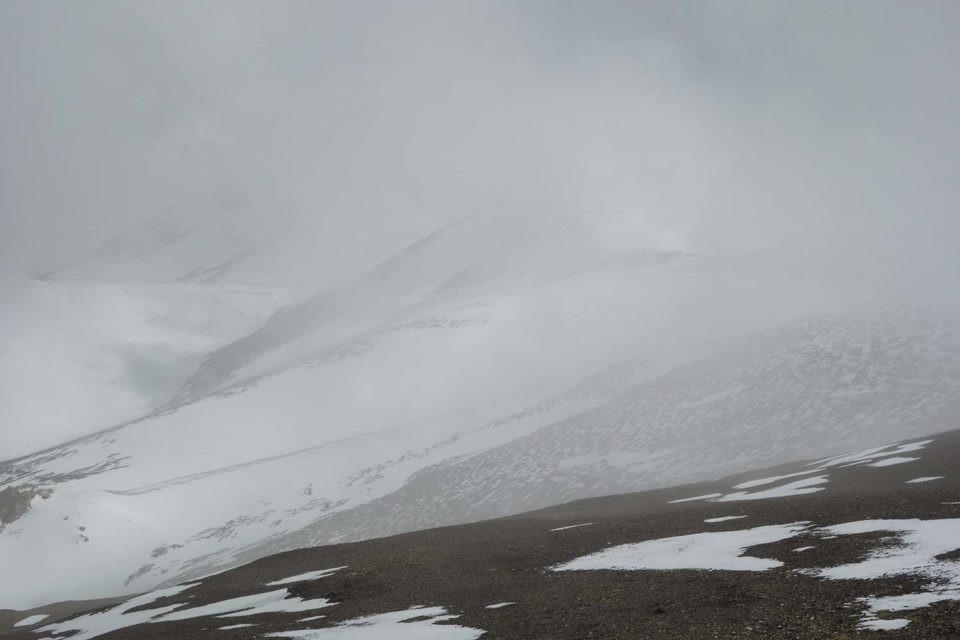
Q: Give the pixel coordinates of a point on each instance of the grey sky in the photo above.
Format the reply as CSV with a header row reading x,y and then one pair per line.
x,y
697,125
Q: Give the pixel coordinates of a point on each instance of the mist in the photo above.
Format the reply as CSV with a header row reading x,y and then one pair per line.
x,y
281,274
821,127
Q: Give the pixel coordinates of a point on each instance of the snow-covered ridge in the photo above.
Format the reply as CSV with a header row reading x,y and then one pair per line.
x,y
204,239
498,366
597,438
108,351
473,252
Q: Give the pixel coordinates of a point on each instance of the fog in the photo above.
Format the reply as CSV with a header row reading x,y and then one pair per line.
x,y
736,126
355,268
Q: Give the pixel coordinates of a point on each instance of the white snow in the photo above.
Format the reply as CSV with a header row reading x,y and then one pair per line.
x,y
770,480
309,618
876,624
889,462
572,526
905,602
807,548
250,605
282,605
164,500
921,542
32,620
108,351
872,454
723,519
96,624
925,479
236,626
720,550
310,575
705,496
795,488
396,625
499,605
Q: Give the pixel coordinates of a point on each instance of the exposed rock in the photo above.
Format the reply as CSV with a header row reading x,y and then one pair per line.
x,y
15,501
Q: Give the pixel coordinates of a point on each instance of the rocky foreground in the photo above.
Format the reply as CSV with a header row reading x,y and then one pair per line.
x,y
865,545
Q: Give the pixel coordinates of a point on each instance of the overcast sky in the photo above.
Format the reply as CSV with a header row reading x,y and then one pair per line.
x,y
693,125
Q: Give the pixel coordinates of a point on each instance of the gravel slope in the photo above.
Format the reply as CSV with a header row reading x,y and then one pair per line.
x,y
466,568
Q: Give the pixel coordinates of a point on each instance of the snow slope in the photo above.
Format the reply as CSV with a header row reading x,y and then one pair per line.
x,y
877,555
496,366
76,356
206,239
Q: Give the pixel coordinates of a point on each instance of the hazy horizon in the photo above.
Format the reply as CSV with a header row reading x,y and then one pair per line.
x,y
693,126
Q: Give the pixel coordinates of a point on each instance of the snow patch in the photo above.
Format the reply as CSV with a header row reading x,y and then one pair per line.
x,y
868,455
922,541
499,605
925,479
269,602
410,624
29,621
759,482
572,526
723,519
303,577
720,550
795,488
705,496
96,624
876,624
889,462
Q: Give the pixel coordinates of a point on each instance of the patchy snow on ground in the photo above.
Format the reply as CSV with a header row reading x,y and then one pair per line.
x,y
807,548
720,550
98,623
29,621
877,624
303,577
705,496
869,455
236,626
572,526
759,482
922,541
499,605
410,624
925,479
723,519
795,488
889,462
276,601
883,456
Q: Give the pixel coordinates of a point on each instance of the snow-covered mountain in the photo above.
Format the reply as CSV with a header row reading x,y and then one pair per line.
x,y
76,356
857,543
469,255
498,365
203,239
